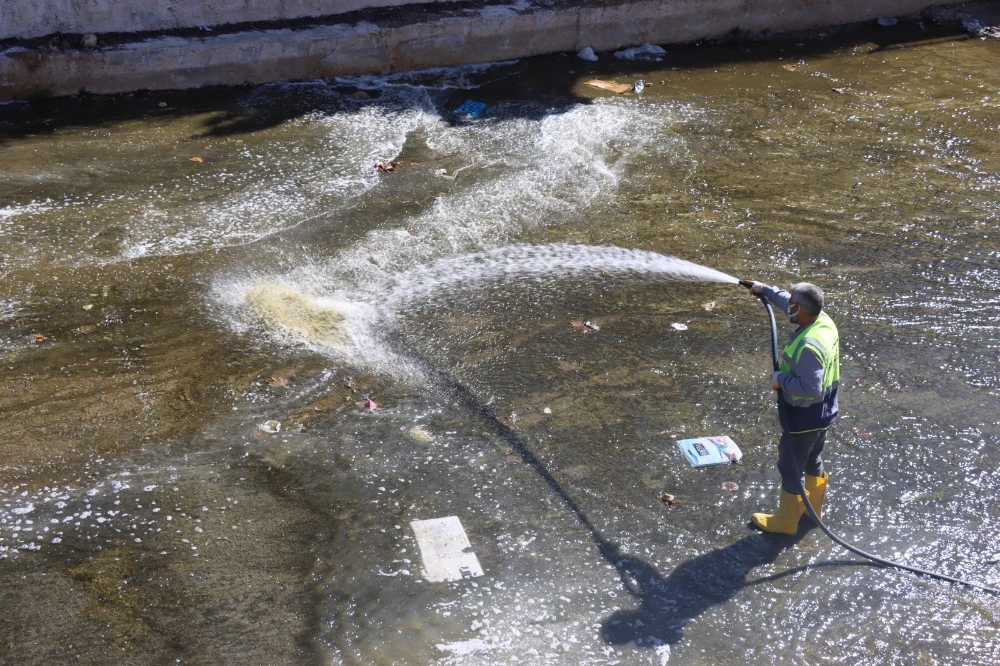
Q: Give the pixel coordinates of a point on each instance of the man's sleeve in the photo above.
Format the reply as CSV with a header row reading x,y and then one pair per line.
x,y
777,296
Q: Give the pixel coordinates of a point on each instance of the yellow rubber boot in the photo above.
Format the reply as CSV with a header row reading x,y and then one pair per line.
x,y
786,521
816,490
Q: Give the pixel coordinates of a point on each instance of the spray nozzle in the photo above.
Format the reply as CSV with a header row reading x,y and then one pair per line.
x,y
747,283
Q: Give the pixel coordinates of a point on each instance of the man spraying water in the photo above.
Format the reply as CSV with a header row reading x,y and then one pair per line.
x,y
808,377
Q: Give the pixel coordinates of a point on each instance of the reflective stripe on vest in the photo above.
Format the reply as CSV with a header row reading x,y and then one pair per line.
x,y
822,337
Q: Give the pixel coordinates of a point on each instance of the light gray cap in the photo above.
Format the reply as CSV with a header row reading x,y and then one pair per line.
x,y
809,297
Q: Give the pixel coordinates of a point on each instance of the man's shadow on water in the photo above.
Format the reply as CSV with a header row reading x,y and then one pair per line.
x,y
666,605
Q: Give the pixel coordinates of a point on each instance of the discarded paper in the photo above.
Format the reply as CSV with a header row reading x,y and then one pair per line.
x,y
443,543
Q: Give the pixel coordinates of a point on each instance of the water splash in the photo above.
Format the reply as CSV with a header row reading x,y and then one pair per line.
x,y
353,324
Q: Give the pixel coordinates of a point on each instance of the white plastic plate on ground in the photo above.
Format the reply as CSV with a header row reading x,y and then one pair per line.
x,y
443,543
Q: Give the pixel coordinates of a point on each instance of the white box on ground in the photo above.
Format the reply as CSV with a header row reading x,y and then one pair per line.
x,y
443,543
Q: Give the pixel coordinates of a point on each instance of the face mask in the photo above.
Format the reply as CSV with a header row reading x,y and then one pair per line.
x,y
794,315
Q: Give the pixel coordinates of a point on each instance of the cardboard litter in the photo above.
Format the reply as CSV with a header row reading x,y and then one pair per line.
x,y
609,85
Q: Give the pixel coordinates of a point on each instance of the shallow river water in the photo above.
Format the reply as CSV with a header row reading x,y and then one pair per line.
x,y
180,269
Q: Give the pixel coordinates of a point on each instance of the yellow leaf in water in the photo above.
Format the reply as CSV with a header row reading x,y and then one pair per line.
x,y
197,159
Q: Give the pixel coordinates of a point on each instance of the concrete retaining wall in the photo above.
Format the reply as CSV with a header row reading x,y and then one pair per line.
x,y
429,36
24,19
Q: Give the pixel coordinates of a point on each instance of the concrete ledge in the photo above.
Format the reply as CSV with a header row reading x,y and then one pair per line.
x,y
27,19
431,36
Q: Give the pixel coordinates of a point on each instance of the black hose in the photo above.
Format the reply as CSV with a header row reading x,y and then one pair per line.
x,y
801,492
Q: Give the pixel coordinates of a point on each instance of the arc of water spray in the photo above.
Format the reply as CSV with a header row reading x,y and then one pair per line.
x,y
475,269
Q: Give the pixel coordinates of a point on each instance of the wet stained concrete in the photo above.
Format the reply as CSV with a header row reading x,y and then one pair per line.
x,y
133,388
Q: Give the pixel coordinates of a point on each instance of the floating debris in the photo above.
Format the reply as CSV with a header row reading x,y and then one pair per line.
x,y
580,326
421,434
370,405
587,54
591,326
730,486
679,327
197,159
645,52
638,87
972,25
270,426
705,451
470,109
386,167
547,410
668,499
609,85
709,306
454,174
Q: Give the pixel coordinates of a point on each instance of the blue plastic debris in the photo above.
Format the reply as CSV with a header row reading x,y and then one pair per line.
x,y
470,109
704,451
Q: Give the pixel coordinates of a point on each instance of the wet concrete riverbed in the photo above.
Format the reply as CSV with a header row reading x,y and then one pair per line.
x,y
178,270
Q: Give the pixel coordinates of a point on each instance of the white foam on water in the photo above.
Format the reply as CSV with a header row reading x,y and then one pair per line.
x,y
8,309
324,169
527,173
277,182
8,212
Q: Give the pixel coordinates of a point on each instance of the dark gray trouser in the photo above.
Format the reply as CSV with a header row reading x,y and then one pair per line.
x,y
805,458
